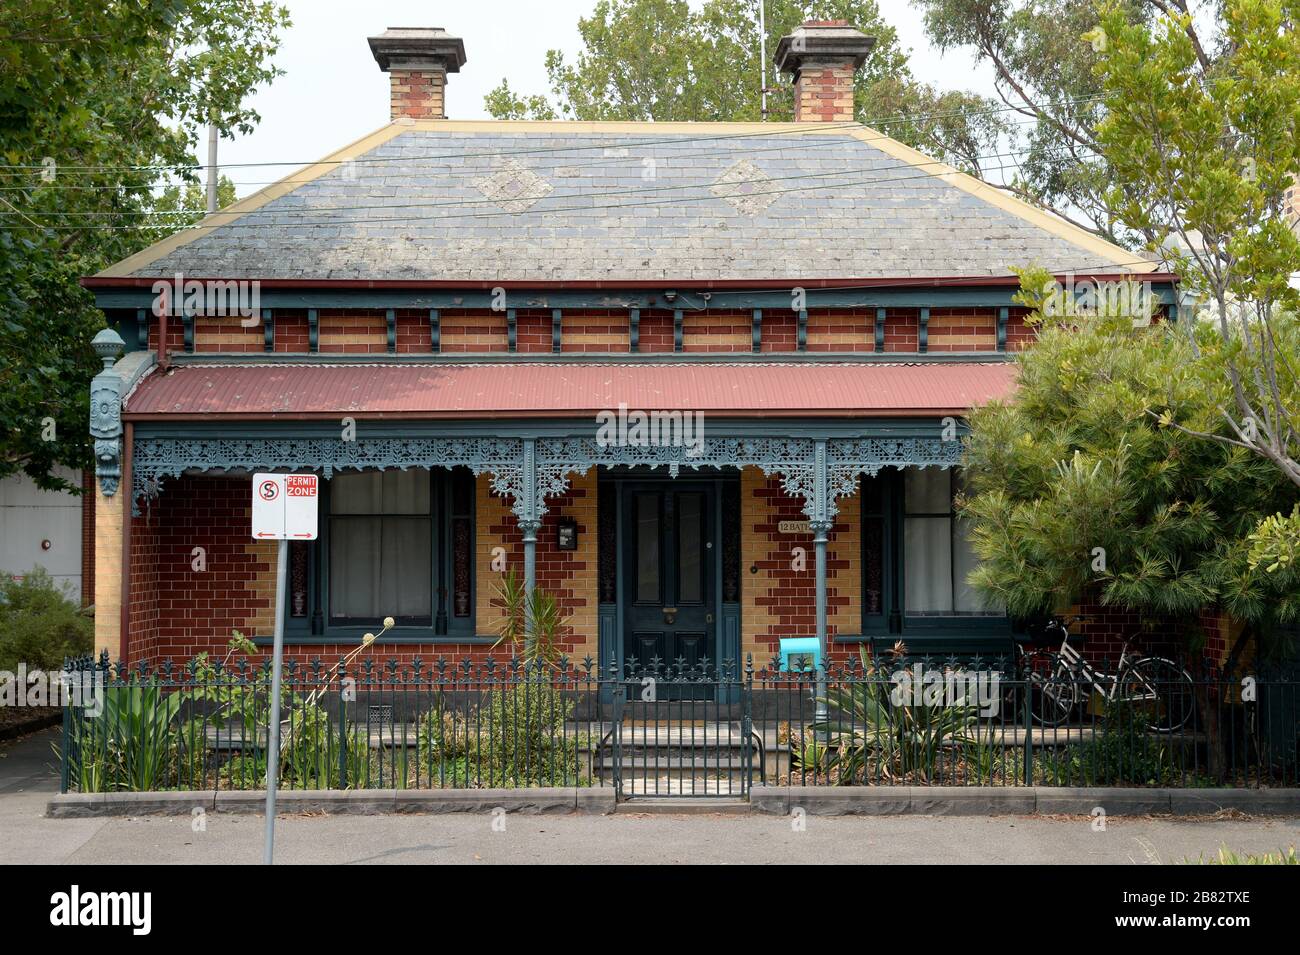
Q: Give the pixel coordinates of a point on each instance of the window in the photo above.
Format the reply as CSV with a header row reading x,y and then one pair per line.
x,y
381,547
916,555
936,552
400,544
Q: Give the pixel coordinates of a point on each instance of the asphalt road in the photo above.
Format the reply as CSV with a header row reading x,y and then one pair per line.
x,y
26,780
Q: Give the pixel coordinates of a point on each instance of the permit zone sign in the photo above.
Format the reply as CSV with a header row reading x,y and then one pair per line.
x,y
284,506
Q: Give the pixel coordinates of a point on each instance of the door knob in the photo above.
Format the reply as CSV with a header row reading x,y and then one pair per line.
x,y
670,614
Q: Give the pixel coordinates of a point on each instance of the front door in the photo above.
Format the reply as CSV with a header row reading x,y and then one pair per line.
x,y
668,574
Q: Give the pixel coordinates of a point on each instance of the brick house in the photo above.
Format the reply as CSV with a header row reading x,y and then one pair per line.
x,y
703,381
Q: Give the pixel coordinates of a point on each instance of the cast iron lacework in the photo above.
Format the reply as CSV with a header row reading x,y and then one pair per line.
x,y
529,472
158,458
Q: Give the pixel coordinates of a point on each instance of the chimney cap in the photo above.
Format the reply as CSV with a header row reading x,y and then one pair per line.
x,y
823,41
418,47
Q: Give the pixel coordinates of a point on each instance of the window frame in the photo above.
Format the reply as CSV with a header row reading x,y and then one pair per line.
x,y
894,620
318,627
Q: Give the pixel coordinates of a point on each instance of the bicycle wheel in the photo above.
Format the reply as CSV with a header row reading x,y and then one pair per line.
x,y
1160,692
1052,696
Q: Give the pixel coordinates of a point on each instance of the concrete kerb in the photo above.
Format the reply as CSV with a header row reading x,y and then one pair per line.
x,y
335,801
992,801
772,800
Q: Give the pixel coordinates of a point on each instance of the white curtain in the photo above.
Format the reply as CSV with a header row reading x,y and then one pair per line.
x,y
937,556
380,545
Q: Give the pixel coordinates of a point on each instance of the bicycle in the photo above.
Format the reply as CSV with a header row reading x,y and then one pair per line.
x,y
1158,688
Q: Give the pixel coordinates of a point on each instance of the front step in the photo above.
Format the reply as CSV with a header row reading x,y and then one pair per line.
x,y
684,805
679,760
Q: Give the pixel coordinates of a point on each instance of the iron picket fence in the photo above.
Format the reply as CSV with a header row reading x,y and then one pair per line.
x,y
660,729
463,724
1034,721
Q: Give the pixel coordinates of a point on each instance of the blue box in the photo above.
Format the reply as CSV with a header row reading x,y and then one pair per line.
x,y
806,651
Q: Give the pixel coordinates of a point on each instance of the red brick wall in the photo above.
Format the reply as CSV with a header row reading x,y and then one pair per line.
x,y
175,335
413,334
291,331
780,600
474,331
962,330
852,329
352,332
141,640
780,331
569,575
533,331
177,611
655,332
597,331
1105,629
730,331
1019,335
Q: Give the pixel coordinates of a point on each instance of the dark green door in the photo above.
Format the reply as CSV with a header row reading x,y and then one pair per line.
x,y
669,570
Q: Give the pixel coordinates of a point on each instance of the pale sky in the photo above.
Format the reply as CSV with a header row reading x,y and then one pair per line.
x,y
333,91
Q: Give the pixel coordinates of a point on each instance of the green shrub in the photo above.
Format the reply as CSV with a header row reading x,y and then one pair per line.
x,y
515,738
1123,754
40,624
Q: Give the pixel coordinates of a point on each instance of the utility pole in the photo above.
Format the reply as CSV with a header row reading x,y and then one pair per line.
x,y
212,168
762,55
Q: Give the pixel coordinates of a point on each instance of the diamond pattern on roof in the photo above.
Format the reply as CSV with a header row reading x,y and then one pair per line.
x,y
745,187
514,187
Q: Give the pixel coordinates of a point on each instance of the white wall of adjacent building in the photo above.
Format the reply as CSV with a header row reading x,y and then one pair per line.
x,y
29,518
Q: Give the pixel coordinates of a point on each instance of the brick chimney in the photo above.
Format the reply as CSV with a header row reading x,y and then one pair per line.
x,y
823,55
417,61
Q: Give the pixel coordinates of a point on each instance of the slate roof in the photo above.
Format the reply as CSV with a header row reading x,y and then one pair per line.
x,y
504,201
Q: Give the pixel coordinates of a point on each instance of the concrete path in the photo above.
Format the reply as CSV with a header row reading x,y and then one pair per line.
x,y
27,778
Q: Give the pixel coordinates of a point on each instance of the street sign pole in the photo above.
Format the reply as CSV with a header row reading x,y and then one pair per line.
x,y
273,730
284,509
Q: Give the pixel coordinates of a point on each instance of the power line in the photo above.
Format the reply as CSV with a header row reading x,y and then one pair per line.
x,y
361,164
816,142
580,208
885,121
332,210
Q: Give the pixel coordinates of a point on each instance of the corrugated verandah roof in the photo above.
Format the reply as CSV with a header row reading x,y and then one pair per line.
x,y
736,389
624,202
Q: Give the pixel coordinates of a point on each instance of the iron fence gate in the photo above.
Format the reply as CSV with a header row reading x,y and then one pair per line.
x,y
679,730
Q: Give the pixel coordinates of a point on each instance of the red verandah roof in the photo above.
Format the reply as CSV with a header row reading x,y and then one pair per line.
x,y
559,390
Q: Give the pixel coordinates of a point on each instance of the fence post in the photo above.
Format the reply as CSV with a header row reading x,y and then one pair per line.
x,y
343,735
747,724
66,749
1029,732
617,700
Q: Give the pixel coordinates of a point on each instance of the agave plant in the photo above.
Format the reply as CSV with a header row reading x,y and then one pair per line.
x,y
869,735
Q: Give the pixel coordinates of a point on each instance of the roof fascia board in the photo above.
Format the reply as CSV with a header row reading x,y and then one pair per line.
x,y
950,296
929,424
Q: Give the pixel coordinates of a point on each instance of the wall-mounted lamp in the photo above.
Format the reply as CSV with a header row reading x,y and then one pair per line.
x,y
566,534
